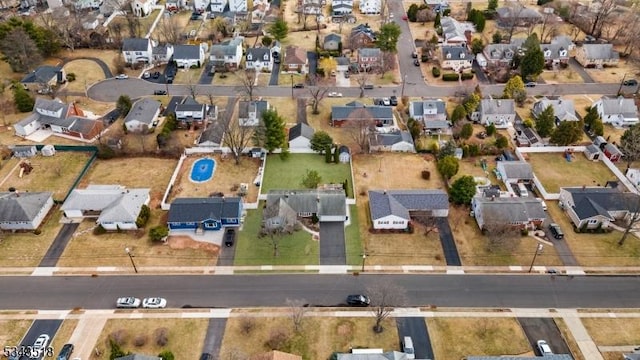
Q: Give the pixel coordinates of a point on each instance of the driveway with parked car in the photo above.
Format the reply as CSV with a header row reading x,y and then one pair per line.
x,y
416,328
43,329
537,329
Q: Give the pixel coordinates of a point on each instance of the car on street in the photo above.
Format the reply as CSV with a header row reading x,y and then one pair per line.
x,y
394,100
154,303
367,86
630,82
414,54
298,86
544,348
530,84
334,94
122,77
358,300
160,92
169,79
556,231
386,101
65,352
405,17
146,75
156,74
128,302
229,237
416,62
40,345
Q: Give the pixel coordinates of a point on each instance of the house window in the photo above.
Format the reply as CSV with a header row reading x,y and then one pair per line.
x,y
592,221
138,52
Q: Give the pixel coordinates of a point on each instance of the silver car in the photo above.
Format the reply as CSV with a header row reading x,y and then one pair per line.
x,y
129,302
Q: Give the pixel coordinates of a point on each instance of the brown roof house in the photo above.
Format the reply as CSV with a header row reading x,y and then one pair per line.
x,y
361,36
295,60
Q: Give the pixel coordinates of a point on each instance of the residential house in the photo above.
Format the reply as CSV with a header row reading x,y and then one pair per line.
x,y
24,210
361,36
142,8
60,118
595,207
162,53
199,6
597,55
142,115
212,136
555,54
24,151
238,5
275,355
190,112
370,6
113,206
300,136
633,174
189,56
250,112
517,14
500,112
618,111
341,8
284,207
217,6
393,209
432,113
398,141
355,111
90,22
87,4
202,214
259,11
227,54
521,212
612,152
45,77
259,59
342,64
563,109
502,54
455,32
295,60
531,357
136,50
332,42
369,58
175,5
456,57
513,172
310,7
565,41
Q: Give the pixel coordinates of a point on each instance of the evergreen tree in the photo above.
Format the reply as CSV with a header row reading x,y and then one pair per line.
x,y
274,133
567,133
545,121
458,114
532,62
448,166
462,190
279,30
24,101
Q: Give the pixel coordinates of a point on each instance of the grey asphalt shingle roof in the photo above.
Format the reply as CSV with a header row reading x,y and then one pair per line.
x,y
258,54
257,106
301,129
332,37
600,51
200,209
23,206
505,210
497,106
143,110
50,105
516,169
369,53
372,112
43,74
502,357
389,139
563,109
619,105
436,124
320,202
593,201
135,44
186,52
401,202
83,125
116,203
455,52
226,48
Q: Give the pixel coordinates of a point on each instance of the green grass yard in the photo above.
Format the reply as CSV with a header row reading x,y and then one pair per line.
x,y
353,241
554,171
288,174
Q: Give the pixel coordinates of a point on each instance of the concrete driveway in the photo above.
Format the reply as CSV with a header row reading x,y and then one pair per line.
x,y
341,80
332,246
416,327
544,329
451,256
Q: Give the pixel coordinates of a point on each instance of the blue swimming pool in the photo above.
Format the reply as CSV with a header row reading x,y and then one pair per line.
x,y
202,170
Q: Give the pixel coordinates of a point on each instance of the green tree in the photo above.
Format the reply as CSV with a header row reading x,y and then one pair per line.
x,y
320,141
477,18
545,121
116,350
328,155
448,149
166,355
437,21
477,46
502,141
514,86
462,190
272,134
496,38
471,102
490,129
593,122
567,133
492,5
630,144
123,105
415,128
311,179
448,166
458,113
336,154
279,30
466,131
387,37
412,12
532,62
24,101
267,40
598,127
158,233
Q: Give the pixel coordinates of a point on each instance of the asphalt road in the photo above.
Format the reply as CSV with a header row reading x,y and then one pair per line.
x,y
522,291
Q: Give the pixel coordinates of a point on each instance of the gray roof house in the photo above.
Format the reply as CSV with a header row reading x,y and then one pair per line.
x,y
432,113
355,111
400,141
228,53
142,115
502,54
44,77
523,212
517,14
456,57
300,136
500,112
514,171
137,50
259,58
503,357
327,205
115,207
24,210
250,112
618,111
563,109
332,42
190,111
369,58
389,355
139,357
392,209
456,32
188,56
597,55
24,151
593,207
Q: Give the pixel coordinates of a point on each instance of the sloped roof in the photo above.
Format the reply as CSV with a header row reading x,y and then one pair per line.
x,y
497,106
563,109
456,52
83,125
301,129
320,202
599,51
454,28
135,44
23,206
332,37
53,105
619,105
420,107
227,47
276,355
400,202
593,201
368,112
389,139
42,74
516,169
186,52
143,110
200,209
257,106
369,53
505,210
258,53
295,55
116,203
390,355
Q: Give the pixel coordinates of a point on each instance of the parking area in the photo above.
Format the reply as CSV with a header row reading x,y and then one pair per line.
x,y
45,328
544,329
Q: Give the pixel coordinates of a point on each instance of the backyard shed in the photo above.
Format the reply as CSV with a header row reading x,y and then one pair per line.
x,y
600,142
48,150
612,152
24,151
592,152
344,155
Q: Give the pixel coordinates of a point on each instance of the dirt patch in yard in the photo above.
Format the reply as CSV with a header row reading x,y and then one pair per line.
x,y
179,242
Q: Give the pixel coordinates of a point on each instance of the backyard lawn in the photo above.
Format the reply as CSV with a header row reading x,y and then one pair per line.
x,y
353,237
298,248
554,171
457,338
288,174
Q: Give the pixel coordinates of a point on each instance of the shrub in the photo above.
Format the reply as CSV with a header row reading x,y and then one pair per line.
x,y
99,230
143,217
140,340
450,77
435,71
116,350
277,339
166,355
37,232
426,174
467,76
247,325
161,336
71,77
119,337
158,233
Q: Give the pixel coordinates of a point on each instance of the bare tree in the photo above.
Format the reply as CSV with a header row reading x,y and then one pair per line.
x,y
169,29
272,229
388,63
601,17
513,21
427,220
633,205
359,125
502,237
20,51
297,309
318,93
6,108
237,138
384,295
248,80
361,79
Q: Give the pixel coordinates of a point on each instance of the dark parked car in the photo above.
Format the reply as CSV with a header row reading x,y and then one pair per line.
x,y
358,300
65,352
156,75
530,84
298,86
368,87
160,92
206,356
556,231
414,55
416,62
229,237
630,82
169,79
394,100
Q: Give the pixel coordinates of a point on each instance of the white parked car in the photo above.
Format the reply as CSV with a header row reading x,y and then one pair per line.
x,y
544,348
40,345
146,75
386,101
128,302
334,94
154,303
122,77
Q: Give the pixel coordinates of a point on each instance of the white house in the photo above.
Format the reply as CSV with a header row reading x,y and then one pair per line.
x,y
392,209
287,205
114,207
228,53
259,59
512,172
370,6
217,6
142,8
250,112
142,115
520,212
238,5
456,32
398,141
456,57
499,112
188,56
634,176
200,5
617,111
24,211
137,50
563,109
300,136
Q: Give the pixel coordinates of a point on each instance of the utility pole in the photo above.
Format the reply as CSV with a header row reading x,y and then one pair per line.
x,y
128,251
535,255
